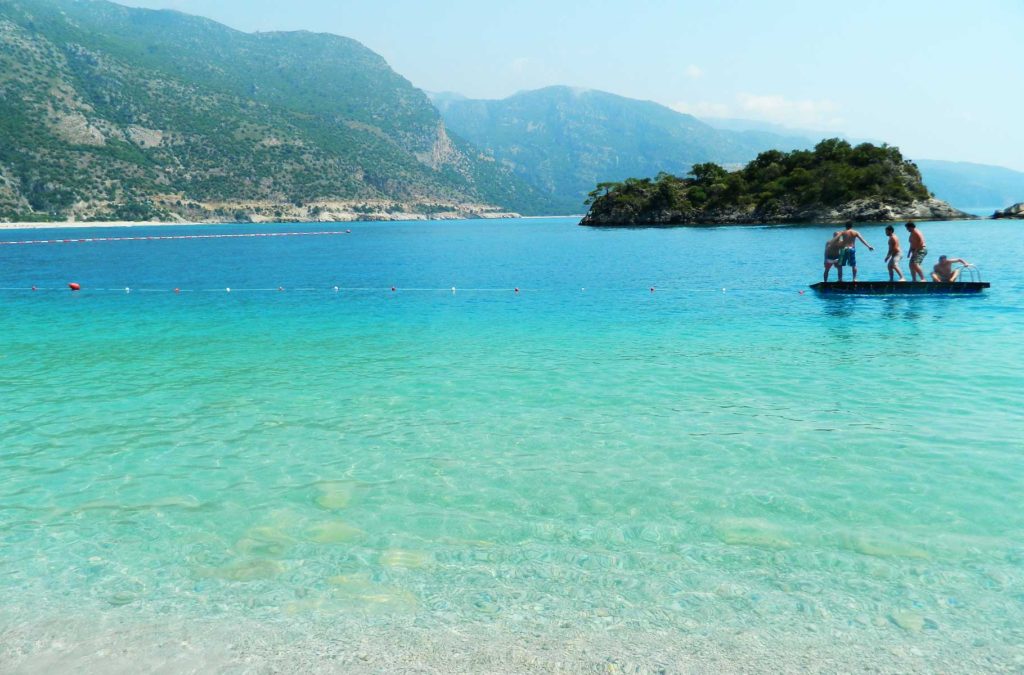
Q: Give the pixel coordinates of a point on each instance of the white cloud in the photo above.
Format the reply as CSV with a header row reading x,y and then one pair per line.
x,y
702,108
694,72
804,113
521,65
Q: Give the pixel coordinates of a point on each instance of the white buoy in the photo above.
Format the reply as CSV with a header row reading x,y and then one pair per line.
x,y
127,290
336,289
453,290
228,290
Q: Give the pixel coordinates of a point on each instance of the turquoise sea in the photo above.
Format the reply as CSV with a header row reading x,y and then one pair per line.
x,y
723,473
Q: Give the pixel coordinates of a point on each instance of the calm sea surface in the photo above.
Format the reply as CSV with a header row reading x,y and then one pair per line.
x,y
725,456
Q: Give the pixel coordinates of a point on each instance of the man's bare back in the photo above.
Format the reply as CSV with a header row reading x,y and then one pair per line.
x,y
849,238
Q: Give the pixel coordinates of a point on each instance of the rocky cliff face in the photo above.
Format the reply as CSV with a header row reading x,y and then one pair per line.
x,y
1015,211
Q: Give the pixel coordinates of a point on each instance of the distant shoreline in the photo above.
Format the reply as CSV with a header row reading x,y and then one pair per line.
x,y
60,225
80,225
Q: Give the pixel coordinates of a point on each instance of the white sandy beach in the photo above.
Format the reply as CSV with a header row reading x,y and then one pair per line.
x,y
122,223
82,224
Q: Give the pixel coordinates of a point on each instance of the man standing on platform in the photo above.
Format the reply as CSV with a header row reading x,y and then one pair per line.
x,y
848,255
918,251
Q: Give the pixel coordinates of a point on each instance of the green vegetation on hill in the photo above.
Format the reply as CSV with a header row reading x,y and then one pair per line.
x,y
107,111
774,187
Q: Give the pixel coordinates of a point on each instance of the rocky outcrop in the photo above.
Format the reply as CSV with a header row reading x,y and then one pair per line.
x,y
1015,211
858,210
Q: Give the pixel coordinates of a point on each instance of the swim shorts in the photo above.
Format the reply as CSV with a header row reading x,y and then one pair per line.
x,y
848,257
917,257
831,261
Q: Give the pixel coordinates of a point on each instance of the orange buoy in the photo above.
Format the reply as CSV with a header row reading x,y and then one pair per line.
x,y
75,287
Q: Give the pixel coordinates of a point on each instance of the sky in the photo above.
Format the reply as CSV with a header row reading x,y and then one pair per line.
x,y
941,79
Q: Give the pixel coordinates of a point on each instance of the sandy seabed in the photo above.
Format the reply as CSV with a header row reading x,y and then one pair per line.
x,y
120,645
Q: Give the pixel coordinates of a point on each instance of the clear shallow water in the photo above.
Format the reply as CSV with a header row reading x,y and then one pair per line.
x,y
724,454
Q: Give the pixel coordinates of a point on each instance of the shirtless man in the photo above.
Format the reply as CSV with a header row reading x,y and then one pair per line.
x,y
917,252
944,272
894,255
849,238
832,249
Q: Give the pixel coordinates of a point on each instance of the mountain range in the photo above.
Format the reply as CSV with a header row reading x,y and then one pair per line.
x,y
980,188
564,140
113,112
110,112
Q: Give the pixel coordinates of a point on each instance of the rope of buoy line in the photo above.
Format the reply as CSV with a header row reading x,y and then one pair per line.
x,y
77,287
90,240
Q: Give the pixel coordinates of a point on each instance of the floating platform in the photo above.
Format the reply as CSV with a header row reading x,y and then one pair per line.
x,y
899,287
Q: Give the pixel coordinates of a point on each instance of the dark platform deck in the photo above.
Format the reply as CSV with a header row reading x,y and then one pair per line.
x,y
899,288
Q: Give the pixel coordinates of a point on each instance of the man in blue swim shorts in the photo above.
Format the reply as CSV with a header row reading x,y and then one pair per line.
x,y
848,255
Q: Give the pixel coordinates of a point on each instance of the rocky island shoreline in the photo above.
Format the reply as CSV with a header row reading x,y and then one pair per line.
x,y
835,182
1015,211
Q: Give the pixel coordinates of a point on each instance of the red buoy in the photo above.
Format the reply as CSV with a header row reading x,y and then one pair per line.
x,y
34,288
392,289
75,287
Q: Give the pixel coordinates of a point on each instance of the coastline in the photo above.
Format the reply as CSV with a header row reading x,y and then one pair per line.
x,y
76,225
73,225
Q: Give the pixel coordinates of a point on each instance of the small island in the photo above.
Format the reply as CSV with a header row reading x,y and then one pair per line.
x,y
835,182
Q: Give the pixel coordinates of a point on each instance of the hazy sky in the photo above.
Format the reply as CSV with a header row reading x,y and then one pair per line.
x,y
942,79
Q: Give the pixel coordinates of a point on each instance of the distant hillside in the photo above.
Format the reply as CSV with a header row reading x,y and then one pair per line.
x,y
566,140
834,182
111,112
976,187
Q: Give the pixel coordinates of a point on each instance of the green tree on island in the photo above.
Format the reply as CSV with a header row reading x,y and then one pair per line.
x,y
774,187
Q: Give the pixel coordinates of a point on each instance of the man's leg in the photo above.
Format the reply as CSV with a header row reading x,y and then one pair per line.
x,y
854,274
